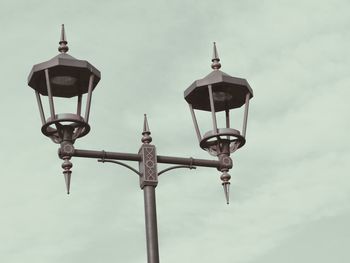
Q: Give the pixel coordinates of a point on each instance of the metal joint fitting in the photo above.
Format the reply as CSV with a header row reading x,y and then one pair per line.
x,y
226,162
66,149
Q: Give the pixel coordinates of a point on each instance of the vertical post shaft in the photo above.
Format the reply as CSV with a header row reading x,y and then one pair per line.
x,y
151,224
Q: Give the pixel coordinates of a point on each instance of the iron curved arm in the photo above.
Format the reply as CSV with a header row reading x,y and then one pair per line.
x,y
120,163
176,167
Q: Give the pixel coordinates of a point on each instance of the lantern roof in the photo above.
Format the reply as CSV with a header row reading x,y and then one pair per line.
x,y
68,76
232,90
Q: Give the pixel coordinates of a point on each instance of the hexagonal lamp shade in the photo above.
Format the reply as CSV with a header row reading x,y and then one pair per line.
x,y
219,92
67,77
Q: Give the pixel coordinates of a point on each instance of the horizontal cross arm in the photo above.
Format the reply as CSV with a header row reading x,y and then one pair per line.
x,y
136,157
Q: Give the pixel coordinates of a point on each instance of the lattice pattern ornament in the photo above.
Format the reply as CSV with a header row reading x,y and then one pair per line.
x,y
148,165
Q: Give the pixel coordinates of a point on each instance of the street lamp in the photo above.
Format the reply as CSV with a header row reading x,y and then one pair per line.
x,y
66,77
219,92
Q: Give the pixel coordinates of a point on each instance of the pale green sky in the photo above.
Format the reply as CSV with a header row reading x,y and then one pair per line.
x,y
290,183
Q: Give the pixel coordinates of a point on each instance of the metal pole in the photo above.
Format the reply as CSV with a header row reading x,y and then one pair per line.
x,y
151,224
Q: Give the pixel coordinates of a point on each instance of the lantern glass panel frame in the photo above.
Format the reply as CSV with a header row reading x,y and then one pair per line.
x,y
220,140
53,125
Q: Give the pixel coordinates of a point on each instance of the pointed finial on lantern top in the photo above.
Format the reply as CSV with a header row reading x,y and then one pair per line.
x,y
63,48
216,64
146,138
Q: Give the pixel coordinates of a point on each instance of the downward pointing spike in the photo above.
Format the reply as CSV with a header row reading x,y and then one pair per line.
x,y
227,191
67,177
225,178
67,165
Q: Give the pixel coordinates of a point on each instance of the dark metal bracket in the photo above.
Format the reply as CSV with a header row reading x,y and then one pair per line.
x,y
139,174
120,163
176,167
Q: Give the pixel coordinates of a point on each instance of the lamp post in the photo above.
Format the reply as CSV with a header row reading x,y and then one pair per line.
x,y
66,77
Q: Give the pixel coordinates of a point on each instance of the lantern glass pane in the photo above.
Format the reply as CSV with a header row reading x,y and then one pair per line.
x,y
89,97
49,93
212,107
204,121
77,105
65,105
45,106
235,119
195,123
41,108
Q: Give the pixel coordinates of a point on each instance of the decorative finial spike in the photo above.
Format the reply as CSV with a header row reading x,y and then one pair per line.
x,y
215,52
67,165
63,48
67,177
63,34
227,192
225,178
146,138
145,125
216,64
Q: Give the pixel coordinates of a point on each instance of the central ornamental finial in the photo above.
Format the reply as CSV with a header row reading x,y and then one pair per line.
x,y
63,48
216,60
146,134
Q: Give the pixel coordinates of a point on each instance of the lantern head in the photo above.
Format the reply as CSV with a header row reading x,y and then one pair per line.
x,y
215,93
66,77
